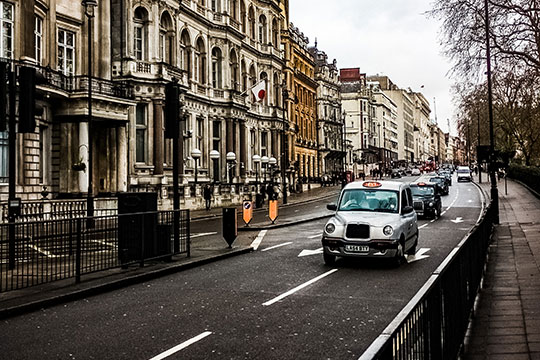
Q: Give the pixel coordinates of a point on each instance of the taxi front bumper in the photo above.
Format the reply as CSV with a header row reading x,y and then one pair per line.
x,y
369,248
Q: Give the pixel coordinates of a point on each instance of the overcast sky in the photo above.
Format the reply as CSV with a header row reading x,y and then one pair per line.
x,y
385,37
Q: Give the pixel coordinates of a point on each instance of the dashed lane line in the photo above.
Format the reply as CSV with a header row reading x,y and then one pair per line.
x,y
277,246
181,346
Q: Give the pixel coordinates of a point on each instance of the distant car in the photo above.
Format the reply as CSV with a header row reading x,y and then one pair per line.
x,y
463,173
396,173
372,219
447,175
426,199
415,172
441,181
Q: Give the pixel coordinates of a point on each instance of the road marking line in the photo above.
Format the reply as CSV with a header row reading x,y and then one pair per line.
x,y
203,234
423,226
255,244
44,252
433,220
276,246
453,202
314,236
300,287
183,345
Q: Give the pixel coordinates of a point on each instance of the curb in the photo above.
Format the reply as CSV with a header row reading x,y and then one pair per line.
x,y
116,284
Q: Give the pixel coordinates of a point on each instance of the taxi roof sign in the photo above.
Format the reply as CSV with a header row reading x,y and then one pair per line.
x,y
421,184
372,184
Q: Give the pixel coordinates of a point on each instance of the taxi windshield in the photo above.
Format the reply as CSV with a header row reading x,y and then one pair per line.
x,y
422,191
369,200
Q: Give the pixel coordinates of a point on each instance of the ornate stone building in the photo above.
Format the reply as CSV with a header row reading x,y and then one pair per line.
x,y
217,51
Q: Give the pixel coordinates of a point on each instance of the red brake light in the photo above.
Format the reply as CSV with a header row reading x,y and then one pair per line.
x,y
421,184
372,184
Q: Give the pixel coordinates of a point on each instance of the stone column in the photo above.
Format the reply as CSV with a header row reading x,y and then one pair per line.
x,y
82,152
122,156
243,148
158,137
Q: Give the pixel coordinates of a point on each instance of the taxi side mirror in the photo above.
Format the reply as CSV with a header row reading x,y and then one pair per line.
x,y
331,206
408,209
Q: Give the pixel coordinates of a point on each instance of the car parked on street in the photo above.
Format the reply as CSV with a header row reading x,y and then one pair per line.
x,y
426,199
373,219
416,172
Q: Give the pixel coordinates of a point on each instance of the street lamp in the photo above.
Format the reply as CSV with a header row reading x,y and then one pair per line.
x,y
214,155
256,160
196,155
89,7
264,161
231,163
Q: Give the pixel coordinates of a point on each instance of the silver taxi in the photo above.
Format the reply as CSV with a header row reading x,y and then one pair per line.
x,y
372,219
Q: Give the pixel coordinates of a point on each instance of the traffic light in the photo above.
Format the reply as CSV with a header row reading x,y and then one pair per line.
x,y
172,109
27,99
3,96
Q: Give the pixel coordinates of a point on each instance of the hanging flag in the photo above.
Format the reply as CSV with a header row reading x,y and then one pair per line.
x,y
259,90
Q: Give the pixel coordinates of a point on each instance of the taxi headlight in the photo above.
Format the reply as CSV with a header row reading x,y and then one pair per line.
x,y
431,203
387,230
330,228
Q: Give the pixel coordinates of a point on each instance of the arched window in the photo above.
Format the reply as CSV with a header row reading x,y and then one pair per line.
x,y
251,17
234,9
243,16
244,72
166,39
252,76
276,89
275,33
185,52
264,76
262,30
216,5
234,70
217,61
140,19
200,62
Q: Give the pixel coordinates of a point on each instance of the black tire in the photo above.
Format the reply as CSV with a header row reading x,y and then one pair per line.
x,y
329,259
412,250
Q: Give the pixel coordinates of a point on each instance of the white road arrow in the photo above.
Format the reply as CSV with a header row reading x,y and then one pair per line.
x,y
310,252
418,256
458,220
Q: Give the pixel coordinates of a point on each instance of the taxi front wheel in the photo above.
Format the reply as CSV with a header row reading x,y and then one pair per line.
x,y
329,259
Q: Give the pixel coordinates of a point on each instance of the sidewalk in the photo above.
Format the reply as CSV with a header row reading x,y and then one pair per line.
x,y
202,252
506,324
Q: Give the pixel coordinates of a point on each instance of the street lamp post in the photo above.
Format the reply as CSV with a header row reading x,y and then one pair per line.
x,y
256,160
494,191
272,161
231,162
214,155
89,7
264,161
196,155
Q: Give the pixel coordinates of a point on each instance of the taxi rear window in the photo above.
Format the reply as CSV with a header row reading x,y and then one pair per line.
x,y
422,190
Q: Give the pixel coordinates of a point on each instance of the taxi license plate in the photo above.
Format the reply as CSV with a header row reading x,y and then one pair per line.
x,y
356,248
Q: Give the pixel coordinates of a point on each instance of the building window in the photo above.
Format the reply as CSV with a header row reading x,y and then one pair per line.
x,y
4,146
38,39
200,62
264,144
216,68
216,5
140,133
139,33
262,30
6,30
200,133
44,154
66,52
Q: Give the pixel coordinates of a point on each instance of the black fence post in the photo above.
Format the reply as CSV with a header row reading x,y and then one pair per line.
x,y
142,238
78,252
188,234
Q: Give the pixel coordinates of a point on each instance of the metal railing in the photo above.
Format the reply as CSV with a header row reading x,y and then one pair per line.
x,y
39,252
434,323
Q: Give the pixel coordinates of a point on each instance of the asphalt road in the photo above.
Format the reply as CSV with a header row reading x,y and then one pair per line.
x,y
279,302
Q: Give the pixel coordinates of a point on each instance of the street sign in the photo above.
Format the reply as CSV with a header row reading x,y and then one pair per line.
x,y
230,226
273,210
247,211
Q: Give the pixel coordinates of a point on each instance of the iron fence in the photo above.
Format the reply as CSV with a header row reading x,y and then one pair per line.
x,y
38,252
434,323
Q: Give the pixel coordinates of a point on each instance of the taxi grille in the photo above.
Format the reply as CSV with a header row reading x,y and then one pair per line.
x,y
357,231
418,205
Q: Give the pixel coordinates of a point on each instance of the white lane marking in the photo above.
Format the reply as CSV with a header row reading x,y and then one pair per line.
x,y
104,243
203,234
181,346
423,226
255,244
276,246
310,252
458,220
300,287
482,201
444,212
42,251
454,201
314,236
432,220
418,256
296,211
